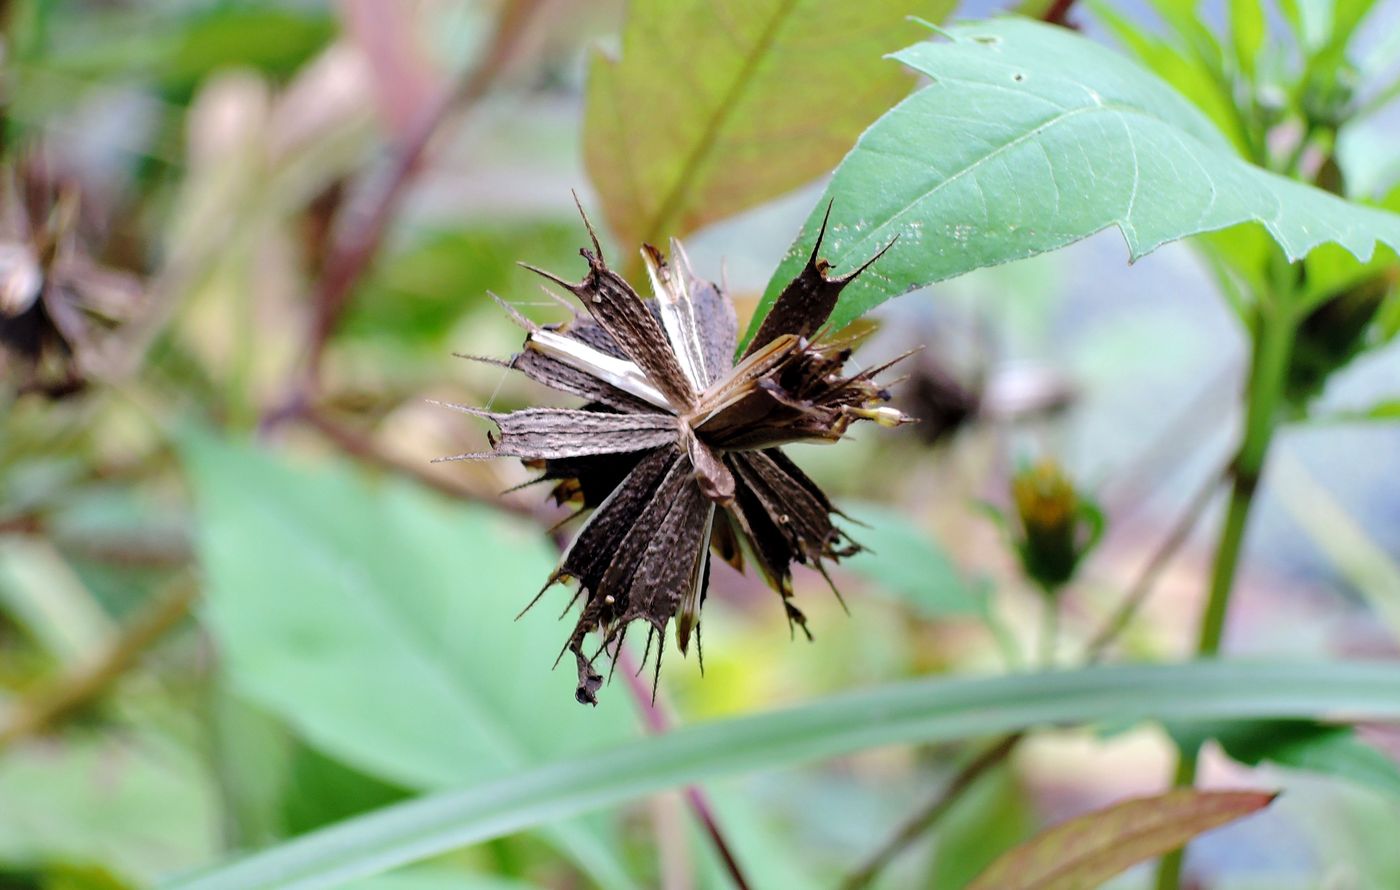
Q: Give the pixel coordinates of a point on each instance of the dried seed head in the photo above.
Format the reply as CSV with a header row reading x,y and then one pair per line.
x,y
52,296
676,451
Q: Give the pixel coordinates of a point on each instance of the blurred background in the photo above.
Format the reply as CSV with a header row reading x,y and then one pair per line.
x,y
237,602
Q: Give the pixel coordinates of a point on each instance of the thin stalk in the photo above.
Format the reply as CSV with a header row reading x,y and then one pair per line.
x,y
1049,630
72,692
658,723
1277,326
927,816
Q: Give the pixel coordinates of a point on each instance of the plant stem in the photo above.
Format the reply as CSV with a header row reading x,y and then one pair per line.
x,y
925,818
1273,348
54,703
1049,630
658,723
931,812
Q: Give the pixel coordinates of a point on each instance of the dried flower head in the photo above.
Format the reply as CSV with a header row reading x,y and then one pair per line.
x,y
51,294
676,449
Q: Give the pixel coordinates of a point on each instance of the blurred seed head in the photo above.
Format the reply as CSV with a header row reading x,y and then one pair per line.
x,y
1055,526
1333,333
53,297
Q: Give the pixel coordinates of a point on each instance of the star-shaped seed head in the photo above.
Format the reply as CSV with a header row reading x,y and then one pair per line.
x,y
676,449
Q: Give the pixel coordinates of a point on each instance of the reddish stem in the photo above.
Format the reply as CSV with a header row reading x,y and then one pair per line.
x,y
657,723
1058,14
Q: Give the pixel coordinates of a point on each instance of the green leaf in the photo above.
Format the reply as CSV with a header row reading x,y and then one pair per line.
x,y
713,108
1386,410
1299,744
416,294
905,560
1248,30
379,622
1188,75
139,807
1087,851
1067,139
177,46
436,878
914,711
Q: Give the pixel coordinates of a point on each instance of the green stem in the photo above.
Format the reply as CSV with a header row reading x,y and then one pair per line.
x,y
1049,630
1273,347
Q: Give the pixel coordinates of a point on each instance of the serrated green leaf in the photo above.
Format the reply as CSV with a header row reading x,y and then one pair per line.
x,y
1067,138
1087,851
378,621
715,106
926,710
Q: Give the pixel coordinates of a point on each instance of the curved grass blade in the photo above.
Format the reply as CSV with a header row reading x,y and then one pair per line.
x,y
920,710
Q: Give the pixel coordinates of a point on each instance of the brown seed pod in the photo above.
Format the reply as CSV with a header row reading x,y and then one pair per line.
x,y
676,451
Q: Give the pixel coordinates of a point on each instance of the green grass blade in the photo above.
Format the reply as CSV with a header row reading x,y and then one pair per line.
x,y
921,710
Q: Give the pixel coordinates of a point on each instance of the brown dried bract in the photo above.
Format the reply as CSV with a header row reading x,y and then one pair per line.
x,y
53,297
676,451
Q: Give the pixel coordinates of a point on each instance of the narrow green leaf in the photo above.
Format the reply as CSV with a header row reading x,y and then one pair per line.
x,y
1386,410
715,107
378,621
1248,29
920,710
1067,139
1087,851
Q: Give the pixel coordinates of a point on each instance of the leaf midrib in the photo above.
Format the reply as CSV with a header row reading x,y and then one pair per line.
x,y
672,202
1067,868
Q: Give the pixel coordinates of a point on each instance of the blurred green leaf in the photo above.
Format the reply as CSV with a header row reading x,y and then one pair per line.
x,y
1182,70
379,622
137,807
417,294
920,710
906,561
1069,138
177,48
267,38
1386,410
1248,30
1298,744
714,108
43,594
1087,851
435,878
320,791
